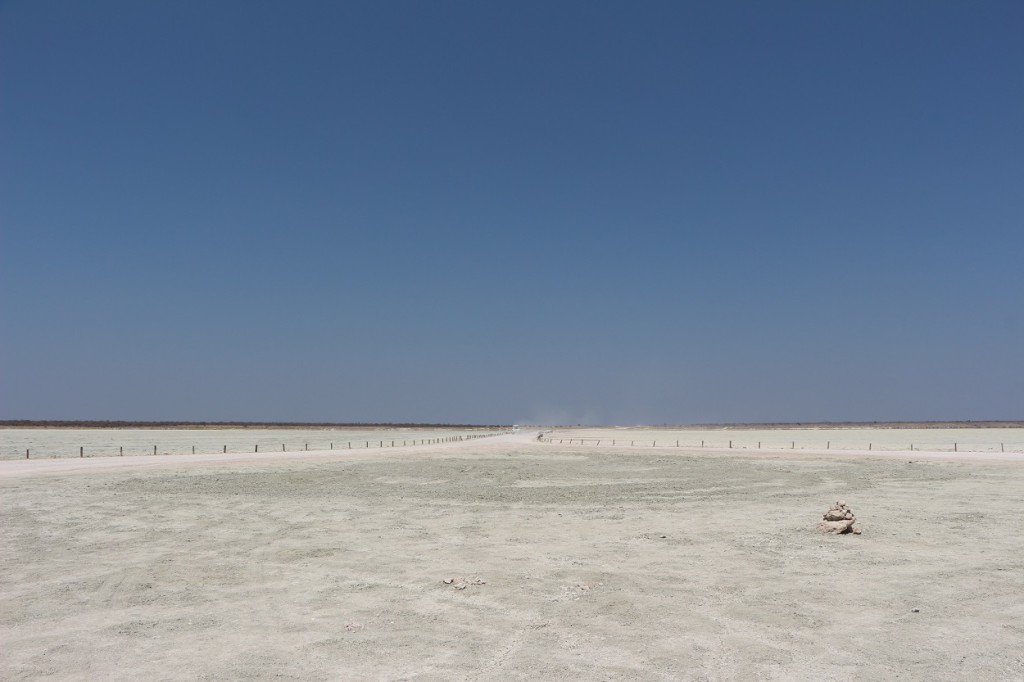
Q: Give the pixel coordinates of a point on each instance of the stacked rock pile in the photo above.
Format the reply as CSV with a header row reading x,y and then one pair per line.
x,y
839,519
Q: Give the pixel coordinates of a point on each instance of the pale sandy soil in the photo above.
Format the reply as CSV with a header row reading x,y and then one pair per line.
x,y
599,564
865,438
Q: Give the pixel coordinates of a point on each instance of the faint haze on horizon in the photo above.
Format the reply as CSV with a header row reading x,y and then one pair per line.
x,y
574,212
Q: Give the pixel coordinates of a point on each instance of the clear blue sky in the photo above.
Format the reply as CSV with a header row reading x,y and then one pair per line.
x,y
657,212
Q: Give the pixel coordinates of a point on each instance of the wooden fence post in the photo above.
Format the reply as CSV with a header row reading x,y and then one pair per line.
x,y
81,451
154,449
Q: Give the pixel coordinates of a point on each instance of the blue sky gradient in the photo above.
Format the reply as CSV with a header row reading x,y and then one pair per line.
x,y
656,212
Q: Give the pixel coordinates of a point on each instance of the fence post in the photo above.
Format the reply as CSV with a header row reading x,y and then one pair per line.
x,y
730,445
282,447
869,447
81,451
193,449
26,453
828,445
154,449
225,449
954,447
1001,448
793,446
307,446
257,448
702,443
120,451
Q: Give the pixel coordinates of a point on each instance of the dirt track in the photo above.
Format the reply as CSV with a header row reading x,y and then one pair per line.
x,y
597,564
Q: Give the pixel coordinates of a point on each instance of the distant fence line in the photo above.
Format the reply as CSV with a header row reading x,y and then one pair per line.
x,y
342,445
730,445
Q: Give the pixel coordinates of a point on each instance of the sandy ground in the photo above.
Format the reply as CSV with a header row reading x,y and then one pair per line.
x,y
593,564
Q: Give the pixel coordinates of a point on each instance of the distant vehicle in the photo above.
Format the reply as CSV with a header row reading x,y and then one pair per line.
x,y
515,428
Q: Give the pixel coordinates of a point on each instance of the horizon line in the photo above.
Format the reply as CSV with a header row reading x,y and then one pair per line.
x,y
123,423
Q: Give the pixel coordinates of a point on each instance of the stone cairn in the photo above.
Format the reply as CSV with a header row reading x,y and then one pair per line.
x,y
839,519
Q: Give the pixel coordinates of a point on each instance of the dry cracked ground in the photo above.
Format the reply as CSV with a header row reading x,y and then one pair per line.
x,y
560,565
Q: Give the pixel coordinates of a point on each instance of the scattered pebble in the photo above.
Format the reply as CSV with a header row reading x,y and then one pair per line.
x,y
462,582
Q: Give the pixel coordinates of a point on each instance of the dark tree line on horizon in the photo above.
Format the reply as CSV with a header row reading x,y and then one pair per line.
x,y
117,424
122,424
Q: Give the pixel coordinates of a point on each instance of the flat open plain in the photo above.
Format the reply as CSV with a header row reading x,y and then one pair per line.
x,y
593,564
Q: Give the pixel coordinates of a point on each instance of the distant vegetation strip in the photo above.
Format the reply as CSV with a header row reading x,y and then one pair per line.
x,y
825,425
116,424
85,424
